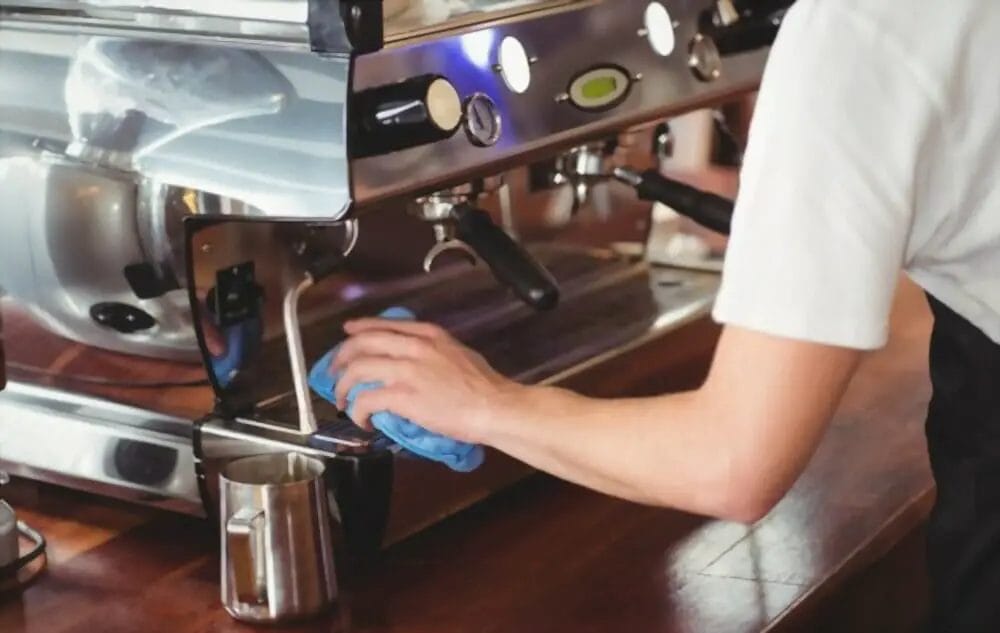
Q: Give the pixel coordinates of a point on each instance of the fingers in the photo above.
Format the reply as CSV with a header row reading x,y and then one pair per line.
x,y
428,331
393,399
379,343
364,423
387,371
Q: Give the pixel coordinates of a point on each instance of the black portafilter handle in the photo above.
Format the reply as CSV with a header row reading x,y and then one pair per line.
x,y
707,209
511,264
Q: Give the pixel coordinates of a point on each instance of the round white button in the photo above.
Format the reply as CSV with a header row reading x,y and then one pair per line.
x,y
660,29
515,66
444,106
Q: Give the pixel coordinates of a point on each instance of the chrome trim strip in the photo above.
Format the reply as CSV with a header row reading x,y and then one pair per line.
x,y
100,446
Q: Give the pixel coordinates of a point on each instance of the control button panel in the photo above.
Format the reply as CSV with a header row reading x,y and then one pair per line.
x,y
560,77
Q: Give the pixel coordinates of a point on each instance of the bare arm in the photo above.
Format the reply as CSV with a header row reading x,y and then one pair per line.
x,y
729,449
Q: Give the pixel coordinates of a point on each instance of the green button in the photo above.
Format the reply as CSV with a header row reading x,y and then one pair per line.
x,y
599,87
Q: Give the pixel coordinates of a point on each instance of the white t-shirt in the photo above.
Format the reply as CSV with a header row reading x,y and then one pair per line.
x,y
875,147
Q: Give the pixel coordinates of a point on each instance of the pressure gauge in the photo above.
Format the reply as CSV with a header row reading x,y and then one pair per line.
x,y
483,124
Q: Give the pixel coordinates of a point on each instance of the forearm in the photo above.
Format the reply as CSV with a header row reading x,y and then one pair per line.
x,y
729,449
668,450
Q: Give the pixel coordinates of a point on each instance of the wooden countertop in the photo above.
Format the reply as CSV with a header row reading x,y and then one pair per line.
x,y
546,555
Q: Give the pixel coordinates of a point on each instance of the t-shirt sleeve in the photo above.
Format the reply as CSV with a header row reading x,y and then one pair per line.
x,y
827,188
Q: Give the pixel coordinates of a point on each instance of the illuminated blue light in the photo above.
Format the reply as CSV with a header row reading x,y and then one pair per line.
x,y
478,47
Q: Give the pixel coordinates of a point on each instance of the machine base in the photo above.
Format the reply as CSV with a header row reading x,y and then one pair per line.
x,y
612,309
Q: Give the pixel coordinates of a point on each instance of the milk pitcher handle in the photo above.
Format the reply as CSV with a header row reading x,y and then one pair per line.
x,y
243,534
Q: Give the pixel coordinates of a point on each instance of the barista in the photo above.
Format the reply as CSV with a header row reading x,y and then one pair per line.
x,y
875,148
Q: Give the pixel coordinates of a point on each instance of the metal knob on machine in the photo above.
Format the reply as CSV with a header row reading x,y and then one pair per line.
x,y
704,58
407,114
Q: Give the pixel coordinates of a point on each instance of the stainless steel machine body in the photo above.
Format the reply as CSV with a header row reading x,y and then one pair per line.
x,y
225,182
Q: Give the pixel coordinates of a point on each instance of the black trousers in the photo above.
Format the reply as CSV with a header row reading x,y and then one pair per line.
x,y
963,436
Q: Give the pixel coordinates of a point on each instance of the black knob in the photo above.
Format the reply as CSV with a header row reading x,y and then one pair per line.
x,y
121,317
407,114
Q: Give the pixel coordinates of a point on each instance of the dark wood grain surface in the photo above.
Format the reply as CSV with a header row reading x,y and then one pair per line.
x,y
549,556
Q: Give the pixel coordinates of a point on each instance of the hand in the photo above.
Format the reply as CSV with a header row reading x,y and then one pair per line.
x,y
428,377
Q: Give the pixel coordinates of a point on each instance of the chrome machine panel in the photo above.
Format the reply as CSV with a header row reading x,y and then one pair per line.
x,y
250,122
109,139
270,133
301,23
565,41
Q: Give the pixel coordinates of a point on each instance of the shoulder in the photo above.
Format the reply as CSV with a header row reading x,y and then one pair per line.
x,y
900,15
920,29
899,40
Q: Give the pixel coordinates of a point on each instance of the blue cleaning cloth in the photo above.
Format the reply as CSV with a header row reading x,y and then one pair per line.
x,y
459,456
242,341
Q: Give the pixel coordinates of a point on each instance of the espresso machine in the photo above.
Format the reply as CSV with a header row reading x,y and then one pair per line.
x,y
212,188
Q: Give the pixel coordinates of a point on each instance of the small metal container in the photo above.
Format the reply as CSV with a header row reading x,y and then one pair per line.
x,y
8,535
277,545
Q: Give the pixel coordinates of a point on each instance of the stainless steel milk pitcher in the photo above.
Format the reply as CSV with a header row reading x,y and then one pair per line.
x,y
277,544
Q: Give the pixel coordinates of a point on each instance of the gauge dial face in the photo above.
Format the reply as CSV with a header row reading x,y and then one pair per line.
x,y
483,124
